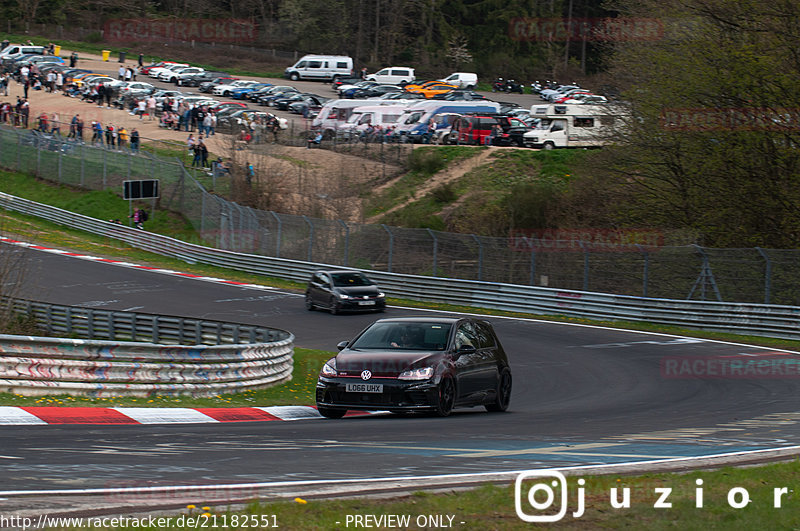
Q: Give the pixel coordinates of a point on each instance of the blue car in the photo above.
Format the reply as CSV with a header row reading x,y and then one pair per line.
x,y
241,93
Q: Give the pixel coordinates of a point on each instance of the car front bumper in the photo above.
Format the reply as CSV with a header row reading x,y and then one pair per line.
x,y
397,395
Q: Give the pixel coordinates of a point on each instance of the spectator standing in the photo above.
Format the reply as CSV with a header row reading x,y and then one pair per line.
x,y
79,129
55,120
138,218
110,135
203,154
134,140
25,112
121,72
73,127
151,107
122,137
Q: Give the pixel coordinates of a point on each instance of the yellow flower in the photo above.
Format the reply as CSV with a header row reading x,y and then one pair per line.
x,y
300,500
190,507
206,509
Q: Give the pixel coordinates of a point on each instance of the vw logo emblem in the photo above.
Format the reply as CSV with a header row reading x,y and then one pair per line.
x,y
366,375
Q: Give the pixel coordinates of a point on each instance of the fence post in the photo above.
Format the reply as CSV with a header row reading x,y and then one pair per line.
x,y
585,266
310,236
435,249
278,237
480,256
391,246
646,273
346,240
767,275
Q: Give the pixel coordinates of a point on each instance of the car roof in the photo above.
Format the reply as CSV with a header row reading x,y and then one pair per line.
x,y
420,319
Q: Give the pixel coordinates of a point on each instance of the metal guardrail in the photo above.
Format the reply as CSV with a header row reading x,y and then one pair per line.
x,y
135,354
754,319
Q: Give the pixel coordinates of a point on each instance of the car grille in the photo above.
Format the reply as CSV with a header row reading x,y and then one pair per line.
x,y
390,397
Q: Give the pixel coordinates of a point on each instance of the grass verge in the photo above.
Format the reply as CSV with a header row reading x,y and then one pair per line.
x,y
711,505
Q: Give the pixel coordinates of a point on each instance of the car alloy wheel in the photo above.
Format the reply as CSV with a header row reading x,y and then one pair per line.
x,y
503,397
446,397
334,306
331,413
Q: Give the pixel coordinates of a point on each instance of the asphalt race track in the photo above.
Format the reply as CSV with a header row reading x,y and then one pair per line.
x,y
582,395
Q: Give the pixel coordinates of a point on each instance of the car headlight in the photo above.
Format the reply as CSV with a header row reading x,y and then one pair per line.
x,y
381,294
417,374
343,295
329,369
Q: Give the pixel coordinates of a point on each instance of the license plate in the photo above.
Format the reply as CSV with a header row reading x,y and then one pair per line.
x,y
366,303
364,388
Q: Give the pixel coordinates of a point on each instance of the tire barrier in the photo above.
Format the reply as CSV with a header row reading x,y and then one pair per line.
x,y
195,357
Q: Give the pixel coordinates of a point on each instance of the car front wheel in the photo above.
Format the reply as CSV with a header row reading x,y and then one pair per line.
x,y
446,398
309,303
331,413
334,306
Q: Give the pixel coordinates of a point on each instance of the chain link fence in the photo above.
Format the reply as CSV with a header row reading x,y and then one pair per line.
x,y
673,272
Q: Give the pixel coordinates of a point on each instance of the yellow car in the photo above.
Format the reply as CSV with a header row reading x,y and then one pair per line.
x,y
431,89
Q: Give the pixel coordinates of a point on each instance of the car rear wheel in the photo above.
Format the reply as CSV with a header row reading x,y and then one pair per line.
x,y
446,397
331,413
548,146
503,397
309,303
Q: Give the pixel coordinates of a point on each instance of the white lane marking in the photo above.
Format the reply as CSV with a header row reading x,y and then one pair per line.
x,y
16,416
477,476
164,415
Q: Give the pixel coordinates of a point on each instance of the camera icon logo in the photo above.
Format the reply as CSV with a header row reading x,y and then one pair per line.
x,y
541,495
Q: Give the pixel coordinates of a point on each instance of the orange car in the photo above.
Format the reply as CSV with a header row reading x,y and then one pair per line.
x,y
431,88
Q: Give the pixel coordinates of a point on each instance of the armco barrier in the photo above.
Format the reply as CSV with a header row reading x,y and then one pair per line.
x,y
754,319
182,356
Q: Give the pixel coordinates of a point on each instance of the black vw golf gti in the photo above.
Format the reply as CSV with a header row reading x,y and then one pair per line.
x,y
417,364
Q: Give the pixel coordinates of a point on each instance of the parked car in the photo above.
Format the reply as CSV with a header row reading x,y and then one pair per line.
x,y
347,91
338,290
208,86
340,81
174,76
195,80
307,105
242,92
136,89
459,95
415,364
155,73
432,89
375,91
148,68
464,80
394,75
476,129
269,98
226,89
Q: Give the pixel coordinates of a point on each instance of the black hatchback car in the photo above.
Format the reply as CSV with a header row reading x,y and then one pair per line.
x,y
417,364
343,290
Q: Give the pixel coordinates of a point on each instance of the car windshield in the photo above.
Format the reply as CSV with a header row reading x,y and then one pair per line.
x,y
404,336
343,280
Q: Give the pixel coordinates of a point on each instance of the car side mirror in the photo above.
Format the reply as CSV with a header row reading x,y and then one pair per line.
x,y
342,345
465,349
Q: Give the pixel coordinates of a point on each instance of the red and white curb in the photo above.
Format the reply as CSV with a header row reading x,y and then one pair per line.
x,y
131,265
36,415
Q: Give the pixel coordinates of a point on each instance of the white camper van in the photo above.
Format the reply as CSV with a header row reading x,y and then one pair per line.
x,y
335,113
372,115
320,68
565,126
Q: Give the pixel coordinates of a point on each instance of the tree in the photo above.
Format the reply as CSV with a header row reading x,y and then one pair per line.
x,y
712,141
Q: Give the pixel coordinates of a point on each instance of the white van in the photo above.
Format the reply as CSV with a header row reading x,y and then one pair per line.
x,y
566,126
463,80
12,51
374,115
394,75
320,68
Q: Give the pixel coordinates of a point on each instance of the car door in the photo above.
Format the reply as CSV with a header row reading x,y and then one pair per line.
x,y
466,364
316,289
488,358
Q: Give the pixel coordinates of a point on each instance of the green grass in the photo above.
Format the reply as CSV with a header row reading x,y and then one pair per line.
x,y
426,161
491,507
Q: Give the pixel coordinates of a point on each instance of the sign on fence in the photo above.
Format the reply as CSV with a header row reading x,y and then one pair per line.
x,y
144,189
